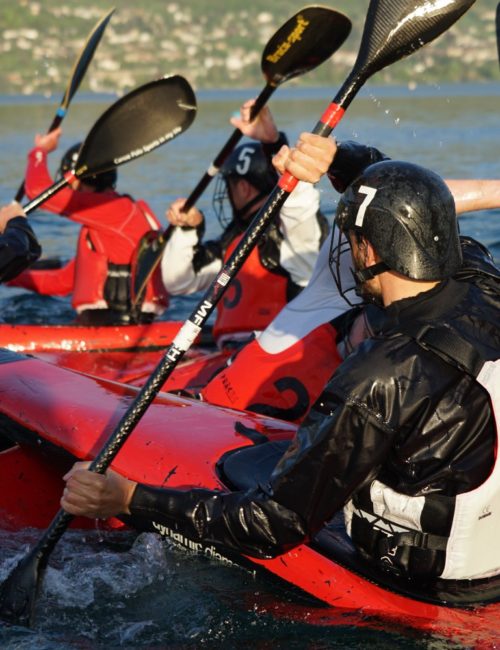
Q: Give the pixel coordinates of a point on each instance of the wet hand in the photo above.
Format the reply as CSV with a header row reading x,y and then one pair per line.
x,y
94,495
48,141
175,215
262,128
8,212
309,159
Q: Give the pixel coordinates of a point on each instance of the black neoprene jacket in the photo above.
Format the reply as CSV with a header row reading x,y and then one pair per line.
x,y
18,248
419,425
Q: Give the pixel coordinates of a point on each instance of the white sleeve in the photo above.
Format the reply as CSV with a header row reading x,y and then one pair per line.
x,y
320,302
177,269
301,231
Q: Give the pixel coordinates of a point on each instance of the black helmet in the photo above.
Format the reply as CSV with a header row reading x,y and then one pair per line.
x,y
408,214
247,161
99,182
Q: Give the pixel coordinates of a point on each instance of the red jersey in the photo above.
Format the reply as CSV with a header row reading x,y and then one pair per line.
x,y
112,226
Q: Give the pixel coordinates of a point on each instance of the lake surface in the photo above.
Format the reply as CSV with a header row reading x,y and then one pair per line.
x,y
104,591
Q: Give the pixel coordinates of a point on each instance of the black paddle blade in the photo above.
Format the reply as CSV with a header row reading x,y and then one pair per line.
x,y
136,124
310,37
19,592
81,65
497,23
396,28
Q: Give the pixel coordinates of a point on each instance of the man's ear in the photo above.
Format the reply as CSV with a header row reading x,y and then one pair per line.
x,y
371,255
246,190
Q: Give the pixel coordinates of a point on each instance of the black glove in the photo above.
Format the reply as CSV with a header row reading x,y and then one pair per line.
x,y
351,159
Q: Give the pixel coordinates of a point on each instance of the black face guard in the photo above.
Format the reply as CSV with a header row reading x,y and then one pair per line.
x,y
222,200
339,249
350,284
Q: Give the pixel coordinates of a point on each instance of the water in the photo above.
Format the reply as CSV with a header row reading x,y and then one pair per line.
x,y
113,591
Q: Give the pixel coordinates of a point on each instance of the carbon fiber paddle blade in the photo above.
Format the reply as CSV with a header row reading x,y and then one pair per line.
x,y
396,28
86,57
19,592
310,37
137,123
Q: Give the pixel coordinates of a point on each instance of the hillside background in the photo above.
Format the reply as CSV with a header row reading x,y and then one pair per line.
x,y
214,44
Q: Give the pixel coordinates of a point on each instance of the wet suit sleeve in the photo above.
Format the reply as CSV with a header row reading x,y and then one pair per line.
x,y
48,282
107,212
18,248
337,450
351,159
187,264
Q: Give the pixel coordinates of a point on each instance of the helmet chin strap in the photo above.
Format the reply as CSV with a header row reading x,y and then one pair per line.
x,y
363,275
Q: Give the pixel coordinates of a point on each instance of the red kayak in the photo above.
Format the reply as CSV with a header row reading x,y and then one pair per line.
x,y
198,365
79,338
125,353
56,415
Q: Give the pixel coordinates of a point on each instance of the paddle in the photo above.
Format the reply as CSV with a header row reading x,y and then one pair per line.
x,y
305,41
392,30
137,123
77,73
497,23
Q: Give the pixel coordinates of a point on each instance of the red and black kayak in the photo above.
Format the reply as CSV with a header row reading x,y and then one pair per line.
x,y
55,415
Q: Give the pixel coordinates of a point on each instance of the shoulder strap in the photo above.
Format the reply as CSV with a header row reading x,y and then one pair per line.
x,y
448,345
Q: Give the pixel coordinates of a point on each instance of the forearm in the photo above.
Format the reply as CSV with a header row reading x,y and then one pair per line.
x,y
48,282
249,523
301,233
178,273
38,180
471,195
18,248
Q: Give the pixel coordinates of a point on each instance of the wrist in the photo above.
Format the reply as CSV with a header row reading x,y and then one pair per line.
x,y
271,148
129,490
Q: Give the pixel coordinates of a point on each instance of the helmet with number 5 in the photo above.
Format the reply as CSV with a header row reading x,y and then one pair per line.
x,y
248,162
408,215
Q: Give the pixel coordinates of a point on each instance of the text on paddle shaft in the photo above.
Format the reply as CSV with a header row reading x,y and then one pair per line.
x,y
202,313
294,36
189,331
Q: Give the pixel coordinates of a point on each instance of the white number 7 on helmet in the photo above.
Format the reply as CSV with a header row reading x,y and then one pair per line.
x,y
370,193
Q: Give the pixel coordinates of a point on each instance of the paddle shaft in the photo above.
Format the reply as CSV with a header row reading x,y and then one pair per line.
x,y
497,23
227,149
77,73
202,185
46,194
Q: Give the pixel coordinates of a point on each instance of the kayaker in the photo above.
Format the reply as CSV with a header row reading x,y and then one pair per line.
x,y
284,369
403,438
285,256
18,245
99,276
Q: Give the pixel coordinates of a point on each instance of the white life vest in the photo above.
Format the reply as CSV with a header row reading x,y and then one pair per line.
x,y
471,548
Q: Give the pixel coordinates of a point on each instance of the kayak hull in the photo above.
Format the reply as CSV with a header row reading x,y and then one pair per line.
x,y
57,415
80,338
125,353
